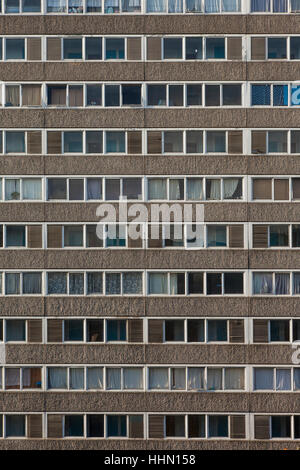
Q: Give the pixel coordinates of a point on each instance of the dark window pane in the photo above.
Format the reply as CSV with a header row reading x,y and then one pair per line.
x,y
57,188
116,330
131,95
280,95
93,48
232,95
175,95
76,189
93,95
15,49
194,95
72,142
172,48
73,425
112,95
195,281
261,95
276,48
175,426
94,188
214,283
112,189
115,48
73,330
217,330
174,330
279,235
295,47
72,48
233,283
15,235
156,95
296,235
32,283
95,330
94,281
215,48
193,48
57,283
15,426
94,142
95,425
116,426
195,330
218,426
279,330
73,235
15,330
132,188
280,426
212,95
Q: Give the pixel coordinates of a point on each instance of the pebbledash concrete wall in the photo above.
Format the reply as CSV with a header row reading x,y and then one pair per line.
x,y
139,307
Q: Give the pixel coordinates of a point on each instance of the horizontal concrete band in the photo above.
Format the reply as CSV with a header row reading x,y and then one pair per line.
x,y
150,71
149,259
149,165
149,24
149,354
150,306
213,212
150,118
139,402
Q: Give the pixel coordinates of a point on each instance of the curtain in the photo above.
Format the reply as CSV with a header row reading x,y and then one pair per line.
x,y
12,283
76,378
94,188
156,6
260,5
32,283
93,5
214,379
175,6
178,378
280,6
196,378
31,95
231,5
58,6
195,189
213,189
230,187
94,378
133,378
57,377
157,189
262,283
113,284
94,281
57,283
282,284
283,379
76,284
176,190
32,188
296,283
12,189
234,378
132,283
177,284
12,378
158,283
295,5
158,378
263,379
297,378
193,6
212,6
12,95
113,379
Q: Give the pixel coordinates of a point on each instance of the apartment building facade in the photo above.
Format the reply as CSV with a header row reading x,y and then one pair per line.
x,y
170,343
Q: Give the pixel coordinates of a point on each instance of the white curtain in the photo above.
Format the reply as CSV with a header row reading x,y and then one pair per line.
x,y
195,189
212,6
296,378
158,378
283,379
260,5
231,5
156,6
94,378
76,378
234,378
263,378
12,189
175,6
262,283
193,6
175,193
213,189
113,379
32,188
178,378
12,378
157,189
56,5
57,377
94,188
214,379
133,378
196,378
295,5
174,284
230,186
158,283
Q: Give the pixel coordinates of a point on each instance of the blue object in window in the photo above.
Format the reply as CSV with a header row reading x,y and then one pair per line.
x,y
280,95
295,95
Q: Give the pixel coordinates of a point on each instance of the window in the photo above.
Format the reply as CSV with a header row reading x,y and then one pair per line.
x,y
73,236
95,426
115,142
73,426
56,7
115,48
277,48
15,330
15,235
174,330
279,235
195,331
95,331
295,48
216,141
193,46
215,48
116,426
72,48
15,142
277,141
73,330
57,188
194,95
94,378
279,330
280,426
15,425
173,141
73,142
116,330
15,49
216,330
93,95
175,426
217,426
172,48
